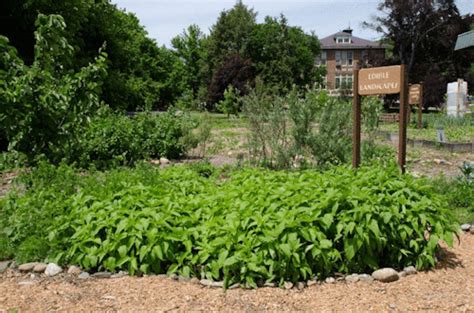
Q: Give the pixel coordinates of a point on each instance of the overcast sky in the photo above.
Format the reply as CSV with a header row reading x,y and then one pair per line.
x,y
164,19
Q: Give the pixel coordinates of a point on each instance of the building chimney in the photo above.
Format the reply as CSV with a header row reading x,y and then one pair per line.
x,y
348,30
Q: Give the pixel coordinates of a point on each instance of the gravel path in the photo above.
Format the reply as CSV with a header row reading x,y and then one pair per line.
x,y
448,288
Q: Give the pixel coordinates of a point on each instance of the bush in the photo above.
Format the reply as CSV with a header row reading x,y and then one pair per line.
x,y
114,139
44,107
253,227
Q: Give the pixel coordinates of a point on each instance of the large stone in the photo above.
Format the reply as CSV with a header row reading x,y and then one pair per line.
x,y
40,268
288,285
386,275
410,270
74,270
330,280
300,285
53,269
4,265
164,161
465,227
26,267
210,283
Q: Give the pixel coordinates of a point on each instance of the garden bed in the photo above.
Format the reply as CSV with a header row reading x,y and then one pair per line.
x,y
446,289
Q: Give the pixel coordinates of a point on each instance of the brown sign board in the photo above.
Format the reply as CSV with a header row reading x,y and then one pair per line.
x,y
414,94
379,80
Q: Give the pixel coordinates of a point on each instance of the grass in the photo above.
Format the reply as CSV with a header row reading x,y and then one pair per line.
x,y
222,121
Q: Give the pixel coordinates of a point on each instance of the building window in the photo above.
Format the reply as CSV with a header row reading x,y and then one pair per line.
x,y
349,57
338,57
322,58
343,40
343,82
344,57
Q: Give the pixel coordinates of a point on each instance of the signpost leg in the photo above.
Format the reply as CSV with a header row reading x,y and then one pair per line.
x,y
356,128
402,137
420,108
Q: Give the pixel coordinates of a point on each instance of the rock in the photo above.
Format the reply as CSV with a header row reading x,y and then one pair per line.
x,y
74,270
353,278
32,276
471,230
270,285
13,265
162,276
300,285
173,276
402,274
366,278
194,280
102,275
164,161
465,227
4,265
210,283
234,286
53,269
40,268
26,267
330,280
385,275
288,285
183,279
119,274
311,283
410,270
83,275
392,306
26,282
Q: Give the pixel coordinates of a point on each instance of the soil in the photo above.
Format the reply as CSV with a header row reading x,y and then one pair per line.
x,y
448,288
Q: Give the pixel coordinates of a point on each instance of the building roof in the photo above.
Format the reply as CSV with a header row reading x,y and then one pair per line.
x,y
465,40
329,42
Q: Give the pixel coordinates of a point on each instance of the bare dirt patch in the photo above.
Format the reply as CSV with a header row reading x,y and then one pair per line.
x,y
448,288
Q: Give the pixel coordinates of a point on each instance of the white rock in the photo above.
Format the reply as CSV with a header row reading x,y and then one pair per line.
x,y
52,270
300,285
366,278
353,278
288,285
330,280
311,283
410,270
83,275
386,275
465,227
26,267
164,161
402,274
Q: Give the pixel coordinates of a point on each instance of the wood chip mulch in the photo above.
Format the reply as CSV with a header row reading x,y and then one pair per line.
x,y
448,288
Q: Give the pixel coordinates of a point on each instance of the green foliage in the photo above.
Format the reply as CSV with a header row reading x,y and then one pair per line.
x,y
44,106
231,103
253,227
115,139
284,55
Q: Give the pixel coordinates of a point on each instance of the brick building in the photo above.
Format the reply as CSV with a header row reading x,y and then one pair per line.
x,y
341,52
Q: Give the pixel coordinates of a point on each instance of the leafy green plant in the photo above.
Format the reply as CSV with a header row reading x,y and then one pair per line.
x,y
45,107
251,226
231,104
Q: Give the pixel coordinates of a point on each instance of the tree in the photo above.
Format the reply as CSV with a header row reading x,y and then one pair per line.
x,y
45,107
189,47
230,34
235,71
283,55
141,74
423,34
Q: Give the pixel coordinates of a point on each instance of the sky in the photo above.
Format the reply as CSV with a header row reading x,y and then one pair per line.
x,y
165,19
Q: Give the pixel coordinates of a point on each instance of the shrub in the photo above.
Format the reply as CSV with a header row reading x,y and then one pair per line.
x,y
114,139
253,227
45,107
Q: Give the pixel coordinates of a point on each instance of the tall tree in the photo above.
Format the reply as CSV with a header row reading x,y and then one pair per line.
x,y
423,34
283,55
230,34
189,47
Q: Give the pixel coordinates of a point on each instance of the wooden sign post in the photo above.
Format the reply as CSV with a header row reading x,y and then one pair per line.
x,y
416,97
380,81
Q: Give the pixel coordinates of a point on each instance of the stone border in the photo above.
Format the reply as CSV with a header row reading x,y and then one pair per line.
x,y
450,146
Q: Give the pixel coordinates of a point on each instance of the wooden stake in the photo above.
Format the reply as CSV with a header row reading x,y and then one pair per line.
x,y
402,134
356,118
420,108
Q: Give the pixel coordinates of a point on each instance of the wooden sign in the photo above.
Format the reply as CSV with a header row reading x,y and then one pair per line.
x,y
414,94
379,80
